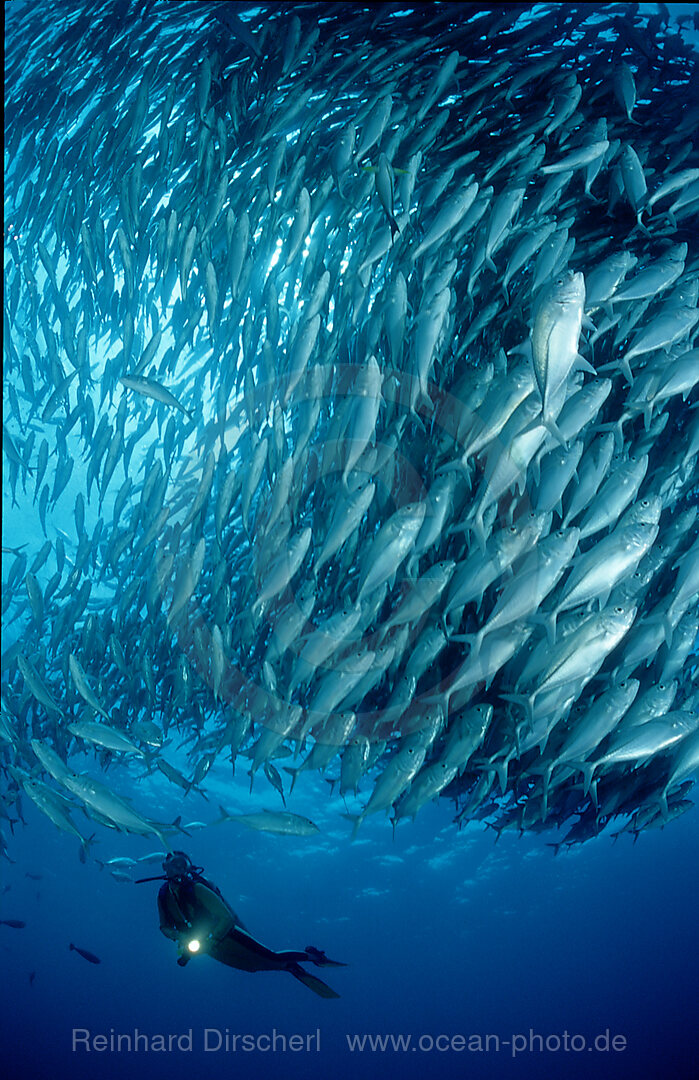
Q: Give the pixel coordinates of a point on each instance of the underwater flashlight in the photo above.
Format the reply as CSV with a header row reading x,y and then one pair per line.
x,y
193,945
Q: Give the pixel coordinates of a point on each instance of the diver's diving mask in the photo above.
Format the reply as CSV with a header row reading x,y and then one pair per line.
x,y
177,865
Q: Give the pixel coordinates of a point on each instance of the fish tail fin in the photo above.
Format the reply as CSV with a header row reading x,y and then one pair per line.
x,y
416,417
356,820
545,796
156,832
617,427
639,222
501,771
439,699
497,829
524,700
587,768
474,640
581,364
451,466
293,772
85,845
553,429
177,824
547,619
625,367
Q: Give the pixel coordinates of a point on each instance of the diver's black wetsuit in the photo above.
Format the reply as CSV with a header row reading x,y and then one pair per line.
x,y
193,903
192,907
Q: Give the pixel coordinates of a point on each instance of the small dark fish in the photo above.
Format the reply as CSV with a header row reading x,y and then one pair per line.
x,y
16,924
32,976
85,953
34,877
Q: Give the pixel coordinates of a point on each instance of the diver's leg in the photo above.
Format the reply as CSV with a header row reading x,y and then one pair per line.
x,y
291,955
238,949
241,951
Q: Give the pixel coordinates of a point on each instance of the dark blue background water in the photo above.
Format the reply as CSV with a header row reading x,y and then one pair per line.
x,y
444,932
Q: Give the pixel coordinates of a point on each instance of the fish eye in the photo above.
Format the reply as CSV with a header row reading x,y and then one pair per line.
x,y
618,610
513,528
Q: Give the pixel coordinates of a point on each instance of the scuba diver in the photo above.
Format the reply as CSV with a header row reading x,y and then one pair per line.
x,y
194,913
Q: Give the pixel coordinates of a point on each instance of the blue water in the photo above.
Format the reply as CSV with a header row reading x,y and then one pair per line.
x,y
445,933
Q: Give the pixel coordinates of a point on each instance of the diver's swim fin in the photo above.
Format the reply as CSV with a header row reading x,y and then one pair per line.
x,y
316,985
318,957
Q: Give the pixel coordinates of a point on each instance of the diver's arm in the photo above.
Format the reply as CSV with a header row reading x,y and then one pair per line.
x,y
166,921
221,919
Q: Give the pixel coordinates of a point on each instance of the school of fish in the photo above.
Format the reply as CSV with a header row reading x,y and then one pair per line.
x,y
350,411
